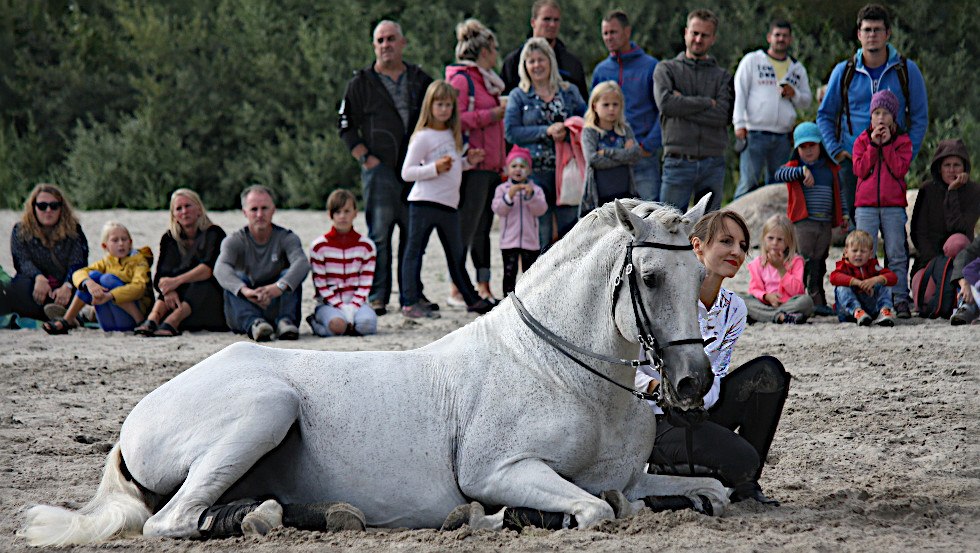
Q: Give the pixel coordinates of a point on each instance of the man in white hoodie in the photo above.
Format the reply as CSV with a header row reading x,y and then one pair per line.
x,y
770,85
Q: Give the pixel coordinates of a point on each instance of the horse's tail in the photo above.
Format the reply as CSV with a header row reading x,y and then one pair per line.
x,y
118,508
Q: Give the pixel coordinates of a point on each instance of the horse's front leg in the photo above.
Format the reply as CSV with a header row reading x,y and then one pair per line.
x,y
645,485
532,484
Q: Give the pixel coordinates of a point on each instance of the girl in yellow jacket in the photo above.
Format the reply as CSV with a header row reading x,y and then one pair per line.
x,y
117,285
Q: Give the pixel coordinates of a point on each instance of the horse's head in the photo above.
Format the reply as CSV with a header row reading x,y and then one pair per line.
x,y
666,283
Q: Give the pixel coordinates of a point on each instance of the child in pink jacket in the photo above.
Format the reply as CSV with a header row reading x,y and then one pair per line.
x,y
519,202
882,157
776,290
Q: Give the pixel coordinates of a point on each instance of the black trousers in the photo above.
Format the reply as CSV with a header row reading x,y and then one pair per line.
x,y
20,296
511,257
733,443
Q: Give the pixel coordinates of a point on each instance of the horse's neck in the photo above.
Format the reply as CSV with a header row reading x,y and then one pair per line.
x,y
571,295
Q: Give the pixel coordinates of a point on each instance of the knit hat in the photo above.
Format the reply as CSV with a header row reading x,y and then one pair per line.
x,y
518,152
885,99
806,132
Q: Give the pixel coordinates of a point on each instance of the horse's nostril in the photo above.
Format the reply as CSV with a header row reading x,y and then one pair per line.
x,y
687,388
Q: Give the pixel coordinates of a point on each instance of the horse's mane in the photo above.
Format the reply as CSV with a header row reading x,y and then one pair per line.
x,y
668,216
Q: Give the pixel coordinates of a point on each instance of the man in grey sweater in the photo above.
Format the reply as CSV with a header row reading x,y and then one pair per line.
x,y
262,267
695,99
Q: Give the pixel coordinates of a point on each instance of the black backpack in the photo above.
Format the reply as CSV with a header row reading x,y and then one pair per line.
x,y
942,304
845,85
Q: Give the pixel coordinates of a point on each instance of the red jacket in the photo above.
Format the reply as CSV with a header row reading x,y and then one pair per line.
x,y
842,275
881,178
483,130
796,206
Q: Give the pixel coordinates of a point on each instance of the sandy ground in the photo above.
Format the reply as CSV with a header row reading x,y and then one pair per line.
x,y
876,450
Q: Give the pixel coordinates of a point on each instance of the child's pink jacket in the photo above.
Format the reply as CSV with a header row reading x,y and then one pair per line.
x,y
881,178
766,280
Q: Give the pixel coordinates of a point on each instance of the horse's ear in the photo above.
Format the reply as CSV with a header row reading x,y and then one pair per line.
x,y
629,220
698,211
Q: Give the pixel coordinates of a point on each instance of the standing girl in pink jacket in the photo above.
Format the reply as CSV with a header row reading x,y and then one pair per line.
x,y
881,159
519,202
776,290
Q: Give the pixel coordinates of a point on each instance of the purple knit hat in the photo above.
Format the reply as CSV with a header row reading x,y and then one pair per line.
x,y
885,99
518,152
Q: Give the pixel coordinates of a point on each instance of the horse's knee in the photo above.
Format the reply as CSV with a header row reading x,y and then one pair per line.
x,y
590,513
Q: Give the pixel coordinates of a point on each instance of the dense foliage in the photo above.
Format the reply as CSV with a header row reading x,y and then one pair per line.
x,y
121,101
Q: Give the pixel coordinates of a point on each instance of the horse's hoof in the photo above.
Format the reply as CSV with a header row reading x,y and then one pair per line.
x,y
457,518
264,518
620,505
344,516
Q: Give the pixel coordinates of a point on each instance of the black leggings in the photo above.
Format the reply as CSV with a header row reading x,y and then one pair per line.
x,y
751,402
511,257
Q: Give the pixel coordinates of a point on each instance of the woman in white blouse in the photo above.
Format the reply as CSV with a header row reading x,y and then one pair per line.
x,y
744,404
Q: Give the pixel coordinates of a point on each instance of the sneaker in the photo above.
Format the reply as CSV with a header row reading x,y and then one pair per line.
x,y
417,311
261,331
823,311
453,301
379,307
902,310
428,304
964,314
482,307
886,317
862,317
794,318
53,311
286,330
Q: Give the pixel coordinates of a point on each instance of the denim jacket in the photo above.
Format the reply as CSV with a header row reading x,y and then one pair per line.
x,y
526,125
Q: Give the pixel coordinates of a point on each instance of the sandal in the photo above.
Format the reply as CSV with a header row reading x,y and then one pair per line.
x,y
57,326
146,328
166,330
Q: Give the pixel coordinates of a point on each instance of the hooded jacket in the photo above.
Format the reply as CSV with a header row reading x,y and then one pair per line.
x,y
368,114
859,100
940,212
690,125
796,204
633,72
880,170
759,103
481,129
519,216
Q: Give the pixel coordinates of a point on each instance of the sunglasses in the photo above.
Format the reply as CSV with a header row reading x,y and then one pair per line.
x,y
44,206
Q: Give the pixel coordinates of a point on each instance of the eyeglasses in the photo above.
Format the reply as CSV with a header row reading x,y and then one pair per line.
x,y
873,30
44,206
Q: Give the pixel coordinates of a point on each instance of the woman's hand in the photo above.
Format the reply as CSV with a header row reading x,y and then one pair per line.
x,y
172,300
444,164
959,181
42,289
475,155
498,112
62,295
966,293
169,284
557,132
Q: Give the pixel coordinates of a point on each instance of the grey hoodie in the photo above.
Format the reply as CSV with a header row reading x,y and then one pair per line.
x,y
691,126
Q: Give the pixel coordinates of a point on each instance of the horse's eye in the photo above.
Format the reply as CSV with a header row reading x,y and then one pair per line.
x,y
651,280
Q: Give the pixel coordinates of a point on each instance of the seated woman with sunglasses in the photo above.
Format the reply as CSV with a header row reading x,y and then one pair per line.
x,y
47,245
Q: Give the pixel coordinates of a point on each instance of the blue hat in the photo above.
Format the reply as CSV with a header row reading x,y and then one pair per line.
x,y
806,132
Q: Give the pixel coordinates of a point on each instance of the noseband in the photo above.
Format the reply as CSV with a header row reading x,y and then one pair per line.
x,y
647,339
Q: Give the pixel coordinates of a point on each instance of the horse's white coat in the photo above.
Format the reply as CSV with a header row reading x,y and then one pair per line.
x,y
488,413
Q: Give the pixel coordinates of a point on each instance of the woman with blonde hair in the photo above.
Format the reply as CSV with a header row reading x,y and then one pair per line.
x,y
534,119
776,290
481,114
48,246
609,147
188,294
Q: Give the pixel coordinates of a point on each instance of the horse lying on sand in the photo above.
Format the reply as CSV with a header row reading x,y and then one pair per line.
x,y
490,413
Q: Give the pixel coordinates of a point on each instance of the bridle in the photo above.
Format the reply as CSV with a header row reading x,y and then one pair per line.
x,y
652,349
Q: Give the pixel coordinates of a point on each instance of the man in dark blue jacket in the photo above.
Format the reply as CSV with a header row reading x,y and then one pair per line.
x,y
377,117
632,69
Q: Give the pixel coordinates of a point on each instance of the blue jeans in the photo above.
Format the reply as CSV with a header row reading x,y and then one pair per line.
x,y
241,313
646,175
891,221
423,217
384,209
848,188
565,216
851,299
683,178
764,150
112,318
365,320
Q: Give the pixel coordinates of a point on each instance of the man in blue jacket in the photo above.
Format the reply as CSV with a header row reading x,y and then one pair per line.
x,y
844,113
632,69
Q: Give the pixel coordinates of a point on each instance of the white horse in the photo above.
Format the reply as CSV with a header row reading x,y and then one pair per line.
x,y
489,413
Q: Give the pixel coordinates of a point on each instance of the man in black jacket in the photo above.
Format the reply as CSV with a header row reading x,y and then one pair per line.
x,y
545,23
377,117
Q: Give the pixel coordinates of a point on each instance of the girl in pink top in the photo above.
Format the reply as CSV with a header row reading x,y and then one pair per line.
x,y
435,163
776,290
